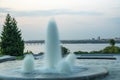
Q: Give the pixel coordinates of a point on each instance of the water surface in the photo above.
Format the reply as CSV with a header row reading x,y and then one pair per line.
x,y
37,48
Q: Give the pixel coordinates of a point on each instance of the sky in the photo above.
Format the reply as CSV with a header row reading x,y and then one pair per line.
x,y
76,19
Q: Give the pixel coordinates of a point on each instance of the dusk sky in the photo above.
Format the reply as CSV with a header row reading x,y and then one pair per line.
x,y
76,19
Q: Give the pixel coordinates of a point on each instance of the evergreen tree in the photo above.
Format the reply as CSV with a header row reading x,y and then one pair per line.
x,y
11,40
0,48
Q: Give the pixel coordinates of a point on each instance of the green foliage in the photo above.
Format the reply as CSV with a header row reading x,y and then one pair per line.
x,y
11,40
19,57
111,49
112,42
81,52
28,52
0,49
41,53
65,51
96,51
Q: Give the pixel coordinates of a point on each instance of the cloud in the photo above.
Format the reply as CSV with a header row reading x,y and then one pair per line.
x,y
5,10
49,12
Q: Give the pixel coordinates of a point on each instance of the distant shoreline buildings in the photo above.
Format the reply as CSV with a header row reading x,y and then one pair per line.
x,y
84,41
92,40
99,38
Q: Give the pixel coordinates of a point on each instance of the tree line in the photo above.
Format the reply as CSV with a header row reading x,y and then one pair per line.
x,y
112,49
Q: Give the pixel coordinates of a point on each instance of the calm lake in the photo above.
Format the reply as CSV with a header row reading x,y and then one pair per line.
x,y
37,48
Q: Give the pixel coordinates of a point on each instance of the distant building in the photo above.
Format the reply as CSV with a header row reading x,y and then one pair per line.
x,y
98,38
93,38
117,39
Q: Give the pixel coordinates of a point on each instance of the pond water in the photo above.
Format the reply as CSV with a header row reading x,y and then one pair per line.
x,y
113,66
37,48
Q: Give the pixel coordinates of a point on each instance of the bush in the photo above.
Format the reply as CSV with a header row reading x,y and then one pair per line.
x,y
41,53
0,51
28,52
65,51
81,52
111,49
108,49
19,57
96,51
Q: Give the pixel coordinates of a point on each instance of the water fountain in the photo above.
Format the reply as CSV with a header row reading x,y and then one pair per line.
x,y
54,67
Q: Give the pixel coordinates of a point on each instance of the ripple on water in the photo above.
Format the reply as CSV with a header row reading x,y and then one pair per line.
x,y
113,66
